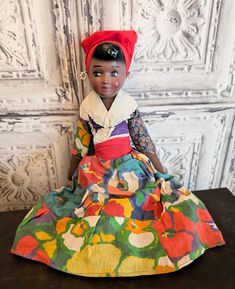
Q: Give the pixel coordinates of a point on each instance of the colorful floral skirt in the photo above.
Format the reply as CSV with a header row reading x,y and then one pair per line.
x,y
121,218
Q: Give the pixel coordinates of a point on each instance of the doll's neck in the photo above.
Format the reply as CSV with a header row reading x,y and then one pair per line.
x,y
108,101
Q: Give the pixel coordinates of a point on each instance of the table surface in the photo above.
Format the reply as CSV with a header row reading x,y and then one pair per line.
x,y
215,269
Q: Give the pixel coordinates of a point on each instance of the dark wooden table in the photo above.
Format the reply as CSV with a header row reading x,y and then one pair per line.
x,y
214,270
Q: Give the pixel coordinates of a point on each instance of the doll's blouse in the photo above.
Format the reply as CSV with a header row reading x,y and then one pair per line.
x,y
121,122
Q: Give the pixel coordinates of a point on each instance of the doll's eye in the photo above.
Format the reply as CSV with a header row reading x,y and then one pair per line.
x,y
114,73
97,73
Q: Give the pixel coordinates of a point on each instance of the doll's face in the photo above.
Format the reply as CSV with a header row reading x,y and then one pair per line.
x,y
106,77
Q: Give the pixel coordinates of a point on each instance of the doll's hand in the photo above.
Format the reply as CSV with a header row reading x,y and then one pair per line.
x,y
70,184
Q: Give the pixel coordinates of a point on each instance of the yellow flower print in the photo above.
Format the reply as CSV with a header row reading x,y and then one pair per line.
x,y
43,236
99,258
96,239
107,237
102,238
132,265
50,247
83,135
175,210
126,204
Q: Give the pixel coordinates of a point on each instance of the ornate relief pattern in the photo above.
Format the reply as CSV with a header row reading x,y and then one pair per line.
x,y
22,178
208,135
180,155
18,46
37,163
175,30
211,77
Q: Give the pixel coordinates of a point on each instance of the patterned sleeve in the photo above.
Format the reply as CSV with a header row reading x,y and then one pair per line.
x,y
82,138
139,134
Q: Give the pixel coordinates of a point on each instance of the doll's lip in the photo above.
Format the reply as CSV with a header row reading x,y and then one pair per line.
x,y
105,87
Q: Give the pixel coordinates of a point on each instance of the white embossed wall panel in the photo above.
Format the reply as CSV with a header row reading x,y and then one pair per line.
x,y
18,49
39,95
185,50
191,142
37,57
34,154
229,166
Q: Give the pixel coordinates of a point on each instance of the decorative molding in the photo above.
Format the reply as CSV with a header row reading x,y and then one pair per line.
x,y
209,136
228,179
26,173
38,124
39,161
64,48
179,40
227,89
19,54
182,31
51,91
148,97
221,124
180,155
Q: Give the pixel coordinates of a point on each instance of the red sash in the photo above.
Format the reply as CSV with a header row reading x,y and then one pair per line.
x,y
113,148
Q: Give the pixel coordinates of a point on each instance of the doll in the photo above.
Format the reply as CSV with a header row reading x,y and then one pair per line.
x,y
120,214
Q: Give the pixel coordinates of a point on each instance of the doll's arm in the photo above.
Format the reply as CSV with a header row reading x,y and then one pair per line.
x,y
142,140
81,147
155,161
75,160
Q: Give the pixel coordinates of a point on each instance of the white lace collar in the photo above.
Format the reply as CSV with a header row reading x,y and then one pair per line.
x,y
122,108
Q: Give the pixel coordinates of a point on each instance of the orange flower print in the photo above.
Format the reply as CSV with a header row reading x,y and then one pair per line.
x,y
137,226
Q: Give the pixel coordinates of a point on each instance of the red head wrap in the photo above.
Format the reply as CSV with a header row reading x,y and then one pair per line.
x,y
125,39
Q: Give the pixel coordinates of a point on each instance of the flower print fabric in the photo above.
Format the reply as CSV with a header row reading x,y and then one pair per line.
x,y
118,206
139,134
82,139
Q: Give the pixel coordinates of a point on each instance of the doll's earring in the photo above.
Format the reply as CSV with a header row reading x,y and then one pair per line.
x,y
83,75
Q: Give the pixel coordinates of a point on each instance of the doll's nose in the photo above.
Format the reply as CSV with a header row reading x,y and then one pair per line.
x,y
106,79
